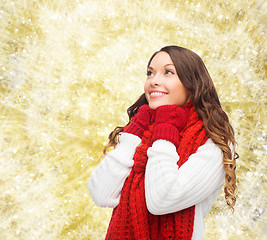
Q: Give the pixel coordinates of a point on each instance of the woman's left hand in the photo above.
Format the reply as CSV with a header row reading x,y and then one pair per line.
x,y
169,121
171,114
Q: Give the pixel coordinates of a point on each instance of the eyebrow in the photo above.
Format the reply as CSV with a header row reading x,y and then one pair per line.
x,y
170,64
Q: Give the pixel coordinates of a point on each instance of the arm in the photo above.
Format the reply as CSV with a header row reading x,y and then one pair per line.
x,y
106,181
169,189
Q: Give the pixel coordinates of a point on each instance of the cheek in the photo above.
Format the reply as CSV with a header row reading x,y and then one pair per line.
x,y
180,94
146,90
146,85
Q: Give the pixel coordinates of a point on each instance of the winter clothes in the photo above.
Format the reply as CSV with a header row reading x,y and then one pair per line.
x,y
163,187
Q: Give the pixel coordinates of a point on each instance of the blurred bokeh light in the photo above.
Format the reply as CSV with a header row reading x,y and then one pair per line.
x,y
68,72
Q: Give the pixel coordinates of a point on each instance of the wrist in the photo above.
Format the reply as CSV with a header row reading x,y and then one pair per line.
x,y
134,129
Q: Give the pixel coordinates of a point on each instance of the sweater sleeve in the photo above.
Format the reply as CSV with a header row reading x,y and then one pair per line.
x,y
169,188
106,181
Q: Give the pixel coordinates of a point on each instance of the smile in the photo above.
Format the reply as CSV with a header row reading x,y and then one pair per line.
x,y
157,93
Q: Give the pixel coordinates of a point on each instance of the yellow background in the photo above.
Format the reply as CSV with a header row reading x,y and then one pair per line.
x,y
70,69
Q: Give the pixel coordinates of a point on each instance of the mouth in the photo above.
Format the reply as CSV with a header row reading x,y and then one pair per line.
x,y
157,94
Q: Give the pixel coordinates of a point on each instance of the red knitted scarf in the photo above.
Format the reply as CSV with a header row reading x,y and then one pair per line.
x,y
131,219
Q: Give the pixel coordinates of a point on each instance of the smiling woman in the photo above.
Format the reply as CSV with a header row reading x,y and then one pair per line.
x,y
163,85
168,167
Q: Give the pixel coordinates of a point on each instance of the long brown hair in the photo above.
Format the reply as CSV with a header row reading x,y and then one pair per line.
x,y
194,75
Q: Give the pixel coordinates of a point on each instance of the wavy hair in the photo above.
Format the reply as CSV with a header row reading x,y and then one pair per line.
x,y
194,75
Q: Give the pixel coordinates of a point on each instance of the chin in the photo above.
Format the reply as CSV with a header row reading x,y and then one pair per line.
x,y
154,106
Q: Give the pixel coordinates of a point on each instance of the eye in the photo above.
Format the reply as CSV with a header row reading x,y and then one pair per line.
x,y
149,73
169,72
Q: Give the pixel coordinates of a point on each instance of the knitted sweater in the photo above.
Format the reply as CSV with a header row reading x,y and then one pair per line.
x,y
167,188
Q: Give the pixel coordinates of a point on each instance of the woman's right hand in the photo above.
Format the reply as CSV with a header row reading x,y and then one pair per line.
x,y
140,122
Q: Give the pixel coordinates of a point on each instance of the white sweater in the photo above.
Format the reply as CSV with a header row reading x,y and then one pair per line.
x,y
168,188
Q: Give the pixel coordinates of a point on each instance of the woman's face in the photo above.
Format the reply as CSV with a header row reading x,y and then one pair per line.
x,y
163,86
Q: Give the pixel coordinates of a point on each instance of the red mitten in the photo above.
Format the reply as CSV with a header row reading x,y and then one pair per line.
x,y
169,121
140,122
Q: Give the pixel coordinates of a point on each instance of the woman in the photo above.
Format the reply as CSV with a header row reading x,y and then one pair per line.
x,y
170,160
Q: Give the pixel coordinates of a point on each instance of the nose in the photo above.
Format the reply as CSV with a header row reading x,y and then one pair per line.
x,y
155,81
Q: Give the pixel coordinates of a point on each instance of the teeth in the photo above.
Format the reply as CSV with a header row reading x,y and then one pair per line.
x,y
157,93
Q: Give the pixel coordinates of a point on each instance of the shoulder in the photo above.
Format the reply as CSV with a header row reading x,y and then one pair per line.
x,y
210,145
208,153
